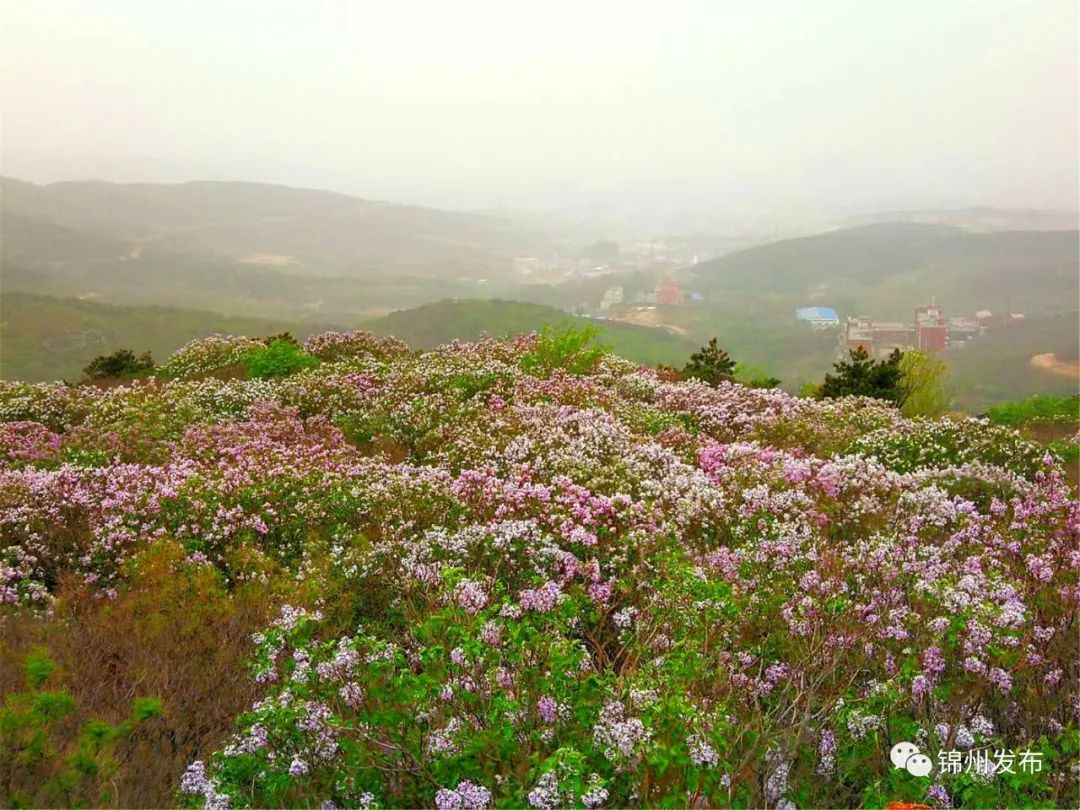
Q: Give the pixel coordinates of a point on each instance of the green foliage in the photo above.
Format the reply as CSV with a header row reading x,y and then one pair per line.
x,y
280,358
1066,450
1042,409
754,376
711,364
39,668
121,363
37,765
564,348
924,385
862,376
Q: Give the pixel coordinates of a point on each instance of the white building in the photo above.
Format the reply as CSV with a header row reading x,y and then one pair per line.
x,y
613,296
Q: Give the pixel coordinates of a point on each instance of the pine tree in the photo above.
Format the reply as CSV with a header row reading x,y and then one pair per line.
x,y
711,364
860,375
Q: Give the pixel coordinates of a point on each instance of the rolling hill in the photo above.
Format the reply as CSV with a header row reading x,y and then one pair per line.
x,y
885,270
48,338
428,326
980,218
304,230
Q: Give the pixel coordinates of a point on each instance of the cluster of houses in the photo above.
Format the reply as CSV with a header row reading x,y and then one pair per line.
x,y
665,293
928,331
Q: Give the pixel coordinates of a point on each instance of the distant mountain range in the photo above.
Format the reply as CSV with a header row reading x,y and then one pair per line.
x,y
303,230
980,218
250,249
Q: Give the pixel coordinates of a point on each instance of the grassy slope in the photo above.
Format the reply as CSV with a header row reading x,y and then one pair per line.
x,y
996,368
46,338
883,271
887,270
444,321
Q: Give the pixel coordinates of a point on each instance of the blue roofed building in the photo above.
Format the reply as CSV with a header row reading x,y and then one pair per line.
x,y
818,317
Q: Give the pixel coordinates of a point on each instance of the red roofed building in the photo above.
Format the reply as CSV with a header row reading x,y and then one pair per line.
x,y
668,293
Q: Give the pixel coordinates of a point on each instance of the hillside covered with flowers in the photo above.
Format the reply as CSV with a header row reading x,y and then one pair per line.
x,y
509,574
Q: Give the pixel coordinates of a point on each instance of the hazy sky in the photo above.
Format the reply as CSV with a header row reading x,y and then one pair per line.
x,y
727,107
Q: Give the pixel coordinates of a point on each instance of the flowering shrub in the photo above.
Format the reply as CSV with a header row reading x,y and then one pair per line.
x,y
341,345
206,355
504,581
922,444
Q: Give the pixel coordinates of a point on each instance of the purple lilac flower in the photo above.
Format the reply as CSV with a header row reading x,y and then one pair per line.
x,y
547,709
920,686
352,694
939,796
466,796
542,599
594,797
545,796
827,753
1000,678
701,753
491,634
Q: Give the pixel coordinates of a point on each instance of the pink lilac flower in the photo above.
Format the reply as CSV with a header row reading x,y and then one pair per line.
x,y
470,595
541,600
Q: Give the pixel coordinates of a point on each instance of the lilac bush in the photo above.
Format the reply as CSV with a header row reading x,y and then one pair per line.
x,y
536,588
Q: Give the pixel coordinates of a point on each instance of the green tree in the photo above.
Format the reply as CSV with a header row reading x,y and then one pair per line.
x,y
861,375
120,363
286,337
565,348
924,385
711,364
280,358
